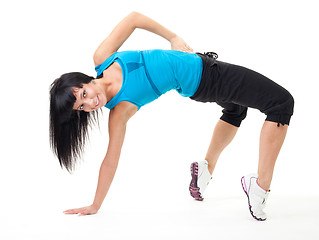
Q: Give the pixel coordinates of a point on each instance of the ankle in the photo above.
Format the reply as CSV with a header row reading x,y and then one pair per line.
x,y
211,166
210,169
265,185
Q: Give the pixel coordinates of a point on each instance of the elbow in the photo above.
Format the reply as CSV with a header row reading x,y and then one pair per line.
x,y
97,58
109,164
134,13
134,18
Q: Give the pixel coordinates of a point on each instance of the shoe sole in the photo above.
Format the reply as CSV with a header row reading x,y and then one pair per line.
x,y
193,188
243,184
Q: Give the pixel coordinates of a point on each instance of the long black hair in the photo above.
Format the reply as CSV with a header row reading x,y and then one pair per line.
x,y
68,127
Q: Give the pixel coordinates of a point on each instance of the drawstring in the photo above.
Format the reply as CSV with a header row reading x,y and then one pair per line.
x,y
280,121
211,54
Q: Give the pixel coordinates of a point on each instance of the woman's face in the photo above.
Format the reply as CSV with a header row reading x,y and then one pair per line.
x,y
89,98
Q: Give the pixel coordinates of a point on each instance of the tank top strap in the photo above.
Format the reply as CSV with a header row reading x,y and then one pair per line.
x,y
100,68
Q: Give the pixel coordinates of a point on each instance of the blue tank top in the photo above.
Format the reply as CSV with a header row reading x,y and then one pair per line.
x,y
151,73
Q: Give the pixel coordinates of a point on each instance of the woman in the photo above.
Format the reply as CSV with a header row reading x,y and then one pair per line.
x,y
128,80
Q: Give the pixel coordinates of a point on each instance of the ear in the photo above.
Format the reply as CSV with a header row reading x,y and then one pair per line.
x,y
75,89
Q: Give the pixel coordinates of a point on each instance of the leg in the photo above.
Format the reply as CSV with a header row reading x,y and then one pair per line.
x,y
224,132
222,136
256,186
271,140
249,88
201,171
234,84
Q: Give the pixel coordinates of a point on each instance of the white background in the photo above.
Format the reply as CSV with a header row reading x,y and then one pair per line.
x,y
149,198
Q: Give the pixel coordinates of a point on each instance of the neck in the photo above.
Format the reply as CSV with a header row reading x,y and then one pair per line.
x,y
111,82
106,86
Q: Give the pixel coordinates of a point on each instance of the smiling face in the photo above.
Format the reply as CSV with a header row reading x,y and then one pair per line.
x,y
89,98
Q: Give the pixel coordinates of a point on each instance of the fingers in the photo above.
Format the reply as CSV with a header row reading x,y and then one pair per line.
x,y
188,49
179,44
184,49
74,211
82,211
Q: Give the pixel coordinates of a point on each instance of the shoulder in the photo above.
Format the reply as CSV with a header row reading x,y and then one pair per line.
x,y
100,58
122,112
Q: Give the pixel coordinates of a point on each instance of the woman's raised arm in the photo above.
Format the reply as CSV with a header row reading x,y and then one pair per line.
x,y
126,27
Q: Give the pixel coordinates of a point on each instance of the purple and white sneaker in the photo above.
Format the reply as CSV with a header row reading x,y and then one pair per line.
x,y
200,179
256,196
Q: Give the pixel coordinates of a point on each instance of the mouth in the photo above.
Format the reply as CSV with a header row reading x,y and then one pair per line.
x,y
97,101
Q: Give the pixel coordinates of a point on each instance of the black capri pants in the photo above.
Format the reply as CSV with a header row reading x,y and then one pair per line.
x,y
236,88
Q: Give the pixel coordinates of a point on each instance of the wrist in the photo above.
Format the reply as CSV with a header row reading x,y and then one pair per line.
x,y
96,206
175,39
172,38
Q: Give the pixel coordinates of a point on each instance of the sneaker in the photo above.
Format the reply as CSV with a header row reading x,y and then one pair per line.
x,y
256,196
200,179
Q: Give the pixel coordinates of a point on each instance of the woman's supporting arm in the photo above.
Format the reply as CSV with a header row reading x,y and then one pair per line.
x,y
117,127
126,27
117,130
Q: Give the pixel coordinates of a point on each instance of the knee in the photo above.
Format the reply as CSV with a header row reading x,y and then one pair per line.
x,y
282,113
290,103
284,104
288,109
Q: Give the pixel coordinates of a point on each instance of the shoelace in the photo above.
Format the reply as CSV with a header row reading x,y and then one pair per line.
x,y
263,203
211,54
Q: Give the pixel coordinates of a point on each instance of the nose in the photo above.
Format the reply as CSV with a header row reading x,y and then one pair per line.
x,y
89,103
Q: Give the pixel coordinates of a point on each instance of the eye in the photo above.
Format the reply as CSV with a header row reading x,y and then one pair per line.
x,y
84,95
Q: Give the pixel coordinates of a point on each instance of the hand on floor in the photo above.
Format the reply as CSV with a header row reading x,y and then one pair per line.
x,y
83,211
